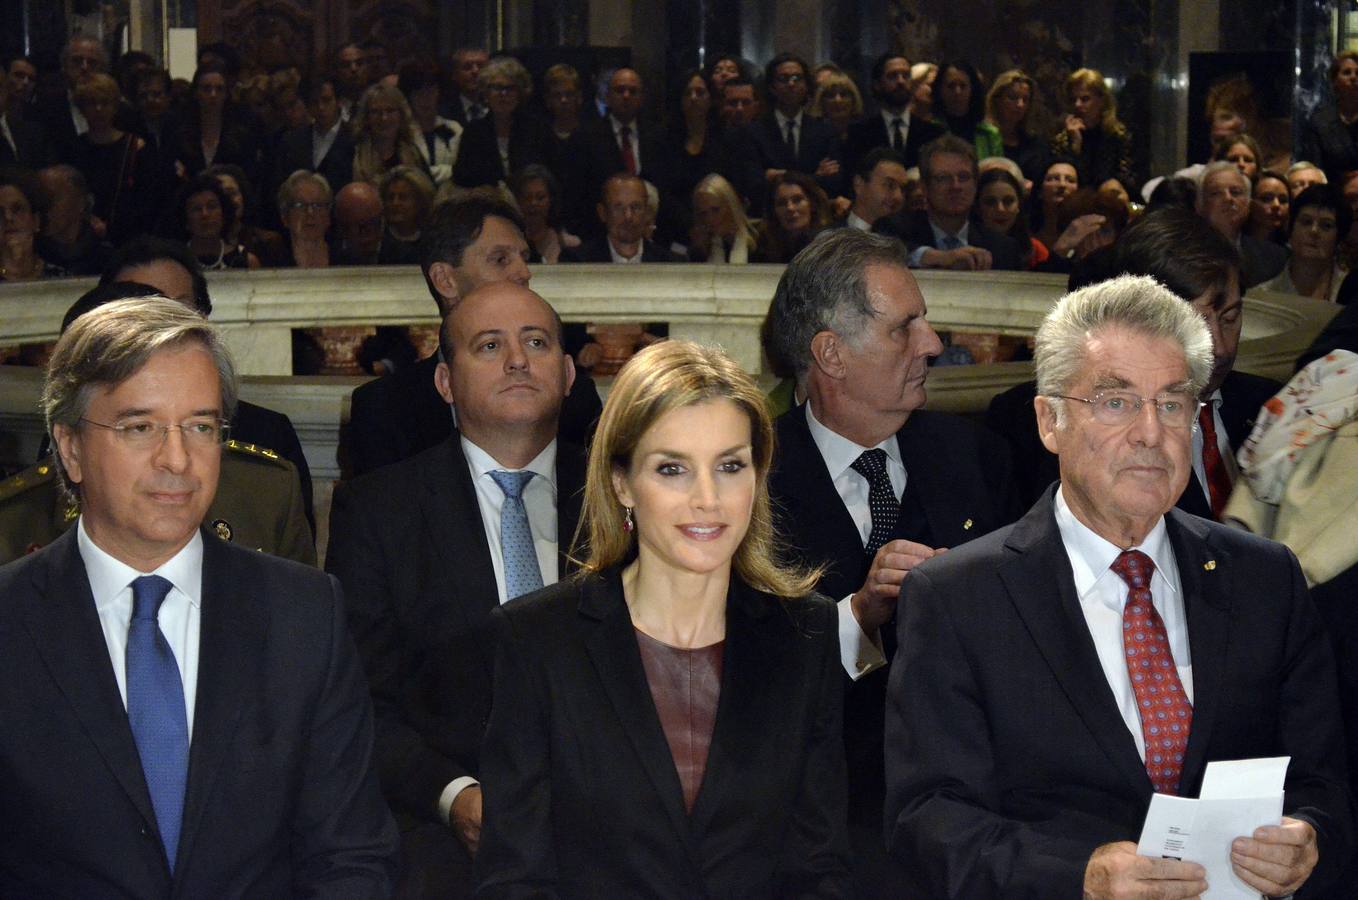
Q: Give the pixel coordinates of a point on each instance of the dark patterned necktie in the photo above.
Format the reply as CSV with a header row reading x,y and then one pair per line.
x,y
1161,701
898,135
882,501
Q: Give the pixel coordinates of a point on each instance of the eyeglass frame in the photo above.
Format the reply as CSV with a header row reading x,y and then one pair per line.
x,y
1194,405
125,434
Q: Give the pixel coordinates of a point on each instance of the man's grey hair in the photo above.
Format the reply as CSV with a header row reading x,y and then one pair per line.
x,y
1302,165
824,289
109,344
1137,303
1215,168
288,190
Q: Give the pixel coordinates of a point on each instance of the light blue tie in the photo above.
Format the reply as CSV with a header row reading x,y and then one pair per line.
x,y
155,709
522,573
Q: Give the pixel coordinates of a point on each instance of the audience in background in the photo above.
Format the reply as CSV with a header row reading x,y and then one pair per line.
x,y
1328,137
407,200
1302,174
539,196
963,107
304,206
1269,202
204,215
384,133
20,222
1060,179
510,137
837,101
1092,134
999,208
1224,201
1242,150
1319,219
1007,105
721,232
799,211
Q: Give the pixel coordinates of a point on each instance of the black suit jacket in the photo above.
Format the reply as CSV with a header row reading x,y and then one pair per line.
x,y
595,155
957,488
478,156
30,149
913,228
1260,261
1011,415
282,798
294,151
766,148
393,417
596,250
581,793
409,546
1328,142
869,133
1009,761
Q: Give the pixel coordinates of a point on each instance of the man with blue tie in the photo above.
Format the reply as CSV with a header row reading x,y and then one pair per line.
x,y
427,547
184,717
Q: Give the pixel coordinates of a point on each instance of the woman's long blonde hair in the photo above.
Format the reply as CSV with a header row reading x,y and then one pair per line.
x,y
664,377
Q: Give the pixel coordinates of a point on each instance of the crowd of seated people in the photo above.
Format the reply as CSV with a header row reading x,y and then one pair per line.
x,y
113,156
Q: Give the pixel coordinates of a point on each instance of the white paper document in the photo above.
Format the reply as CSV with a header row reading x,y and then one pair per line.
x,y
1236,797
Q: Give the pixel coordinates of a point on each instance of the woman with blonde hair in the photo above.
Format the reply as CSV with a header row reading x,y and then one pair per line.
x,y
510,137
837,101
922,76
643,692
384,133
1007,105
721,233
1092,134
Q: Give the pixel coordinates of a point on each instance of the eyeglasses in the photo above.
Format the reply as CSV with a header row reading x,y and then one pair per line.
x,y
1122,407
143,434
302,206
942,179
792,78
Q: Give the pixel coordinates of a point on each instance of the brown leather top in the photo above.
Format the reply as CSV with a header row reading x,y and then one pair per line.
x,y
685,685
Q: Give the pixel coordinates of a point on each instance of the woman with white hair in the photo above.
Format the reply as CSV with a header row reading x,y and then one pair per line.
x,y
384,133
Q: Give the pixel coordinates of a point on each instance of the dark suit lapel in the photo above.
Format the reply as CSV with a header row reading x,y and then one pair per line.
x,y
570,489
810,496
232,631
613,650
1204,573
1058,629
453,517
1192,500
931,475
65,628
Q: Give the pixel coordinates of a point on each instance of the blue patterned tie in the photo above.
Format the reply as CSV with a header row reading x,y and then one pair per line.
x,y
155,709
522,573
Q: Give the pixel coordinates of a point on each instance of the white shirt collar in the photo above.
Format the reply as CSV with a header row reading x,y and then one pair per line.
x,y
1091,555
110,576
838,451
618,126
940,234
854,221
782,120
888,117
625,260
482,463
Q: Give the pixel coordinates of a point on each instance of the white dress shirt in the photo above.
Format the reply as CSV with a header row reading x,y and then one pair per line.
x,y
796,121
1223,446
855,221
963,235
859,652
322,141
887,118
179,617
1103,594
539,500
626,260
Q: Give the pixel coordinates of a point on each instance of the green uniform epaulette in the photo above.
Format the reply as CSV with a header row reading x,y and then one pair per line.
x,y
252,450
42,473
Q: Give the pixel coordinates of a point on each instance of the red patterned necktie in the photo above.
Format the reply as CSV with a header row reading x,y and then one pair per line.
x,y
1218,476
1165,712
629,158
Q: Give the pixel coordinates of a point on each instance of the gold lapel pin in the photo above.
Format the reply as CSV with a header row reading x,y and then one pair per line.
x,y
966,526
1210,565
223,529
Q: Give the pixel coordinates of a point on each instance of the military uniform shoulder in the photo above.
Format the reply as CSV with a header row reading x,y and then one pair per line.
x,y
247,451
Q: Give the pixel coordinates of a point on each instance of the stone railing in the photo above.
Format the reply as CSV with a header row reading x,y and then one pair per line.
x,y
713,304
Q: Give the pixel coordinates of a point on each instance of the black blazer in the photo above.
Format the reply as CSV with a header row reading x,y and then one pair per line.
x,y
869,133
478,156
1328,142
913,228
294,151
958,488
30,149
596,250
594,155
1008,759
767,149
408,544
1011,415
282,798
393,417
581,794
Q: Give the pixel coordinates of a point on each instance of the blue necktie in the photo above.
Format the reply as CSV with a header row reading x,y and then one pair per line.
x,y
522,573
951,242
155,709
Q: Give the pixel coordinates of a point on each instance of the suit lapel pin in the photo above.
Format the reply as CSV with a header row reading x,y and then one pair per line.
x,y
1210,565
222,528
966,526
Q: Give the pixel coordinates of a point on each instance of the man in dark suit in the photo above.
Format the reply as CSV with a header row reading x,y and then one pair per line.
x,y
22,143
892,125
1224,201
866,482
467,243
68,239
619,142
186,717
464,104
944,236
625,213
324,146
56,111
1053,675
424,551
787,137
878,189
1192,259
